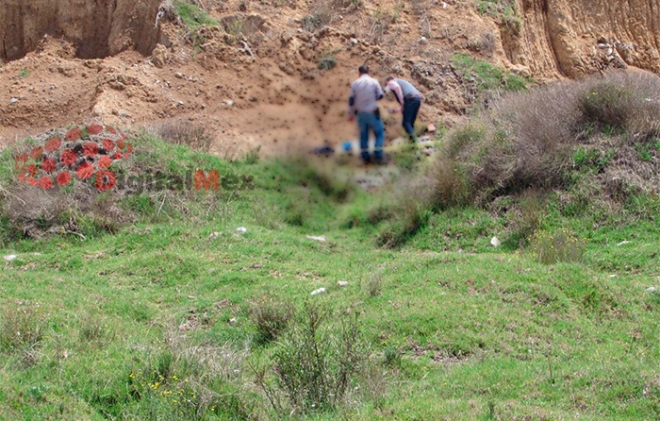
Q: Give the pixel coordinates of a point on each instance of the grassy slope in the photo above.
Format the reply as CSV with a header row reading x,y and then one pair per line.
x,y
482,334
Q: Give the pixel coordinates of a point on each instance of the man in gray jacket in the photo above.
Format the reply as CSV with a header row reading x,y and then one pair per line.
x,y
363,102
409,98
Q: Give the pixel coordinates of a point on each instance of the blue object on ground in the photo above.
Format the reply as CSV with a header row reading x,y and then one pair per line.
x,y
348,145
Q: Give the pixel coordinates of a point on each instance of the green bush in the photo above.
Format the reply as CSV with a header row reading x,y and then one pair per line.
x,y
316,364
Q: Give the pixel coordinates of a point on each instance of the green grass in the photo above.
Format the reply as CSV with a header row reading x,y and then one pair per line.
x,y
157,321
486,76
192,16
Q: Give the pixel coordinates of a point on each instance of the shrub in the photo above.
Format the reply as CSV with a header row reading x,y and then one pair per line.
x,y
606,104
270,319
315,365
311,23
327,62
626,101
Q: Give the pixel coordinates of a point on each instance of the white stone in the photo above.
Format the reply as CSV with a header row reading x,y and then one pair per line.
x,y
13,101
318,291
495,242
623,243
651,289
423,40
242,230
314,238
342,283
10,257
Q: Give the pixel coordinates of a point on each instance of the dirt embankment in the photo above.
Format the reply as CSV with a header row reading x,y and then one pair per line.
x,y
255,79
575,38
97,29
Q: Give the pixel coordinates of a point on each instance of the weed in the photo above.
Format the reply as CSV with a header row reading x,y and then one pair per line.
x,y
561,246
392,356
192,16
183,132
311,23
327,62
23,73
252,156
20,328
270,319
92,328
375,285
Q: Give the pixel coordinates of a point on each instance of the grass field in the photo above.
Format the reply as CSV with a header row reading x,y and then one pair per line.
x,y
179,316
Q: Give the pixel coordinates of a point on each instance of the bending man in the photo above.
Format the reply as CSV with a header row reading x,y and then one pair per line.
x,y
363,102
409,98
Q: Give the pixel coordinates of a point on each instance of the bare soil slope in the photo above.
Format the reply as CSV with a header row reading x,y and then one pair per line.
x,y
255,79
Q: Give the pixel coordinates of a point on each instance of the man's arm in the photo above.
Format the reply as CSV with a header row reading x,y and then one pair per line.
x,y
396,88
379,92
351,105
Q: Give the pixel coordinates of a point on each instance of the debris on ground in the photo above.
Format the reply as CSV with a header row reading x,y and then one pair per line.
x,y
323,150
318,291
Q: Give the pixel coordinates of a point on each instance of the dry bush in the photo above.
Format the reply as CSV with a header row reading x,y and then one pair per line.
x,y
628,101
270,319
78,209
414,203
184,132
448,184
527,140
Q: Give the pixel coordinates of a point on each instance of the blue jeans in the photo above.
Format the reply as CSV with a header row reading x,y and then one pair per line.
x,y
410,110
365,122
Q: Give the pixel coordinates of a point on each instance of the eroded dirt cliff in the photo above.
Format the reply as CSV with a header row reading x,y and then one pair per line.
x,y
98,28
256,79
574,38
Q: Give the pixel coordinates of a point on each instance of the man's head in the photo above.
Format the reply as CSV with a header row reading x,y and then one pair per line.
x,y
387,86
364,69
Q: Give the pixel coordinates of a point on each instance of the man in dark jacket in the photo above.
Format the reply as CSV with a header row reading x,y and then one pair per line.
x,y
409,98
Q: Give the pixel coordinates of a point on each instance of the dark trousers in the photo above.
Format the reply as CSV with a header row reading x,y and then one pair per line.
x,y
410,110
